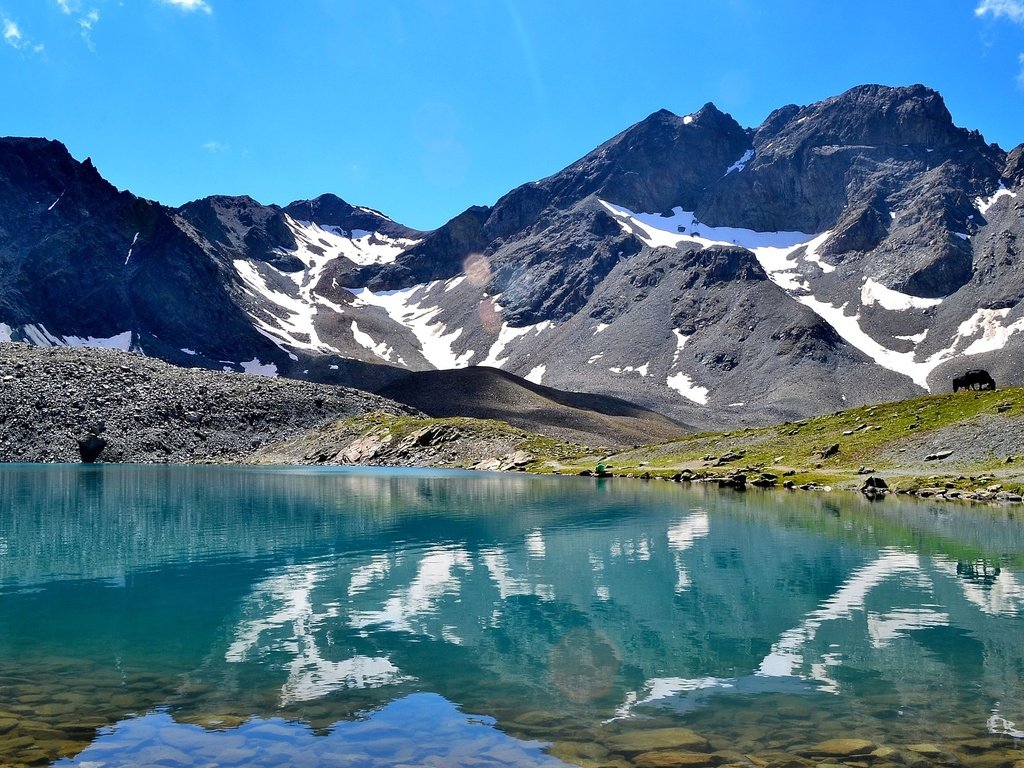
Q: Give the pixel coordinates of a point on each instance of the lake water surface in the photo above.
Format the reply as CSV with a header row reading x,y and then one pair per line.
x,y
243,617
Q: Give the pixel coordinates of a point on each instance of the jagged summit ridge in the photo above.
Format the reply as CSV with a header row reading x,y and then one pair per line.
x,y
846,251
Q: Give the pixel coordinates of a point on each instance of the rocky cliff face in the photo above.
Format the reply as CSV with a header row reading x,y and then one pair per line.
x,y
857,249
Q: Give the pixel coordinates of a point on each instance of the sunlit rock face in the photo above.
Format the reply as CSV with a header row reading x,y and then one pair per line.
x,y
857,249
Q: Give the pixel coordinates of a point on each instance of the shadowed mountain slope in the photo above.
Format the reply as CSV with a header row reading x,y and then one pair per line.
x,y
490,393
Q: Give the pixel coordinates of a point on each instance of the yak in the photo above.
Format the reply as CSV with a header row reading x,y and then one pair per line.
x,y
976,378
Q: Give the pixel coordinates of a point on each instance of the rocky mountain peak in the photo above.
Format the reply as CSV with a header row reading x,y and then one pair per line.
x,y
1014,169
330,210
35,173
663,161
811,163
867,115
241,228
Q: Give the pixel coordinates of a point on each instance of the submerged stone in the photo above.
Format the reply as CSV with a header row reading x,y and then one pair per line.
x,y
674,759
840,748
654,739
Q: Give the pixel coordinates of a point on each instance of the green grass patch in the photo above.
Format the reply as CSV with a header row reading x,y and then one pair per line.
x,y
867,436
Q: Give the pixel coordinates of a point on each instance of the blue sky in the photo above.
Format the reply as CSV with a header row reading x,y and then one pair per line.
x,y
421,108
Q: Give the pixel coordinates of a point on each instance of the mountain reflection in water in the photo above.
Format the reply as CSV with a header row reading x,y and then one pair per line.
x,y
211,601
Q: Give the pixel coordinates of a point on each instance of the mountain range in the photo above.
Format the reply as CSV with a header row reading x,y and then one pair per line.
x,y
859,249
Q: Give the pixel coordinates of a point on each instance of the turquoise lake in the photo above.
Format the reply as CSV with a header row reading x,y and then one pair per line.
x,y
245,617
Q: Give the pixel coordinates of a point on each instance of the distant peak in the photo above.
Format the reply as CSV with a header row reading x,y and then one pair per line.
x,y
661,116
709,110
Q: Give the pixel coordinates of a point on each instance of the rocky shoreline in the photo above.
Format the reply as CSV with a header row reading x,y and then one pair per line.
x,y
54,401
153,412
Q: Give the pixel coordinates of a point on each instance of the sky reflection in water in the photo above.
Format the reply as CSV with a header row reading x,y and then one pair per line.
x,y
338,614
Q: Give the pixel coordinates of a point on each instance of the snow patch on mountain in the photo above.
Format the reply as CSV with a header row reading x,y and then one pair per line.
x,y
680,382
409,307
291,325
778,253
497,356
684,385
984,203
643,370
681,340
774,250
874,292
363,339
537,374
287,318
848,326
359,246
812,256
131,248
257,368
37,335
740,164
682,227
987,325
984,330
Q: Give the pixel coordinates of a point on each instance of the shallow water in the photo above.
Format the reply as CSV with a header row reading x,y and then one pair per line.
x,y
222,616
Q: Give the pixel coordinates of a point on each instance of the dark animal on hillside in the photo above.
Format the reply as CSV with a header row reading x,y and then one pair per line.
x,y
975,378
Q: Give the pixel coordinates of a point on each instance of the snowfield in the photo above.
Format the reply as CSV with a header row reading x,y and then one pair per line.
x,y
791,260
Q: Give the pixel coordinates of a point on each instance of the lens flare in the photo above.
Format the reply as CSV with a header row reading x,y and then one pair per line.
x,y
477,269
489,317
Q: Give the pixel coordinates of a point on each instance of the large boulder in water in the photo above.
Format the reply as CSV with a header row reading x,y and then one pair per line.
x,y
91,445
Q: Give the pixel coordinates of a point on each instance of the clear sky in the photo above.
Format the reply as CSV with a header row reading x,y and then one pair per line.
x,y
421,108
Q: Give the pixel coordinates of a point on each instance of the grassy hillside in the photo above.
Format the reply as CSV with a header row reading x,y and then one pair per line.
x,y
982,431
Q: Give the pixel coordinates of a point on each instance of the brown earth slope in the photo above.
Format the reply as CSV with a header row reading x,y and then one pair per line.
x,y
489,393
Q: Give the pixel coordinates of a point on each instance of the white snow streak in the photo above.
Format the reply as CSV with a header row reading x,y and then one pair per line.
x,y
875,293
984,203
849,328
537,374
257,368
295,329
680,343
131,248
359,246
497,356
682,227
775,251
37,334
811,253
684,385
54,203
740,164
679,381
993,334
363,339
405,307
641,369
